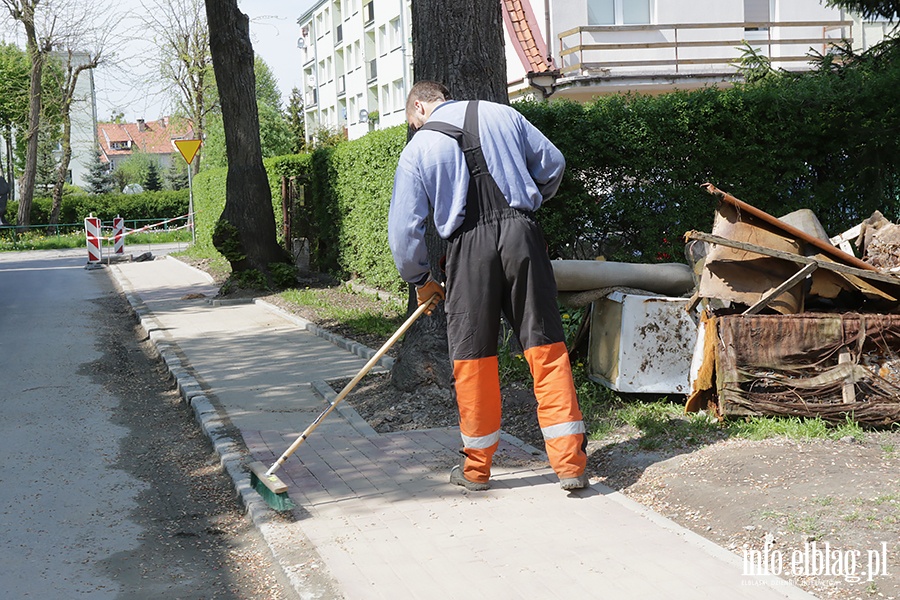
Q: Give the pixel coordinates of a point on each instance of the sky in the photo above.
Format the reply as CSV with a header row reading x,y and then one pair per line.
x,y
273,31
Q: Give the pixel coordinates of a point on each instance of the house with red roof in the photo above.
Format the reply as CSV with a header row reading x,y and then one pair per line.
x,y
120,141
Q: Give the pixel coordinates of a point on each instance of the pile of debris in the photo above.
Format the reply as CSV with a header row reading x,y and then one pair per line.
x,y
791,321
771,317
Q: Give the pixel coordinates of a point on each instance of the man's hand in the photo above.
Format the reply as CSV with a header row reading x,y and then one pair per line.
x,y
425,292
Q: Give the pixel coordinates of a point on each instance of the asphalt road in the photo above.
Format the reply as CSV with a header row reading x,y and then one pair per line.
x,y
84,511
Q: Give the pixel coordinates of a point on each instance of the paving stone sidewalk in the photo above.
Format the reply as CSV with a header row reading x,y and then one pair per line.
x,y
376,517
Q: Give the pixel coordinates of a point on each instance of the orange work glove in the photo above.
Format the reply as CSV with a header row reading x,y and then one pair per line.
x,y
428,289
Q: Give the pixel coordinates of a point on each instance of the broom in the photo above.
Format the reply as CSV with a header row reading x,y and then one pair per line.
x,y
264,481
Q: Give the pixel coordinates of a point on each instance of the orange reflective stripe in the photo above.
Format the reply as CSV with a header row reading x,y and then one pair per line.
x,y
555,431
477,385
553,385
484,441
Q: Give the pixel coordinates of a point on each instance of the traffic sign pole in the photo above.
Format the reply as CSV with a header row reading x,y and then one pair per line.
x,y
191,205
188,150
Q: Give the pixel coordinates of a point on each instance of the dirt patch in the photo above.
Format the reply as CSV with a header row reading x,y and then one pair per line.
x,y
196,540
333,295
777,503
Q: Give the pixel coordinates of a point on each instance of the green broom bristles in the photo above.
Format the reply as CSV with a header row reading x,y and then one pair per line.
x,y
278,500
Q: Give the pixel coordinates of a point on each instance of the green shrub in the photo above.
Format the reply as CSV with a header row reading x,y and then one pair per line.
x,y
209,202
78,205
635,163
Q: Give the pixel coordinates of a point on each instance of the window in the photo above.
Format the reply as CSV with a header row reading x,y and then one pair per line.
x,y
320,25
756,11
399,100
382,40
618,12
394,33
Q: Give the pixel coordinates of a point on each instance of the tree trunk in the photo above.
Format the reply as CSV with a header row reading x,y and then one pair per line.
x,y
460,44
245,233
10,173
63,166
23,218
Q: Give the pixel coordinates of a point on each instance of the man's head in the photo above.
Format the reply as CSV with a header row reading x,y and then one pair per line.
x,y
423,98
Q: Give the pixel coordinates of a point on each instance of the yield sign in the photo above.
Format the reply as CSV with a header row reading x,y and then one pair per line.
x,y
188,149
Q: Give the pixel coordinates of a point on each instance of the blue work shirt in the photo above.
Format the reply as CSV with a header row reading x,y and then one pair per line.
x,y
432,172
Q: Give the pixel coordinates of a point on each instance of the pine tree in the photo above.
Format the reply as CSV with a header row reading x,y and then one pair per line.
x,y
177,175
46,162
99,179
151,179
296,122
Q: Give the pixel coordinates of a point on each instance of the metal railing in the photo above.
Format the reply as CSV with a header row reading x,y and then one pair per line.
x,y
692,47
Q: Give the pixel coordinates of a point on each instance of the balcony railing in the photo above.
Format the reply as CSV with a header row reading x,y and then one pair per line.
x,y
692,48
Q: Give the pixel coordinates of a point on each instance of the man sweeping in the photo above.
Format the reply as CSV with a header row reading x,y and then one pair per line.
x,y
484,169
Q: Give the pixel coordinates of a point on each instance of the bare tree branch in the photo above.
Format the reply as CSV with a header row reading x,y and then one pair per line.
x,y
181,34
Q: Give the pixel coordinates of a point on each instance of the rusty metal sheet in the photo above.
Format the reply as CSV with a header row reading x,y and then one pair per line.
x,y
745,277
791,365
823,246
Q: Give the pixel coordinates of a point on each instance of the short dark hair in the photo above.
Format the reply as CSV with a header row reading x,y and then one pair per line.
x,y
427,91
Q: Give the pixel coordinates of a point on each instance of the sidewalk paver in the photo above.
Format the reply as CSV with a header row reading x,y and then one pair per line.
x,y
378,508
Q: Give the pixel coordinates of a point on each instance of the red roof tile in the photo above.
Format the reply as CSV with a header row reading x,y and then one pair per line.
x,y
525,34
151,137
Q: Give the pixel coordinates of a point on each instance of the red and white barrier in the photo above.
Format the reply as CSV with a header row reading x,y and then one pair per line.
x,y
95,239
119,235
92,233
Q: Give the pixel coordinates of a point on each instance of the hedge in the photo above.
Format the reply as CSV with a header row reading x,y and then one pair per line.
x,y
75,207
826,141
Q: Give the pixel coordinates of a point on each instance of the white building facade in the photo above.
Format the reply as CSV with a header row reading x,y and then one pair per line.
x,y
357,65
357,54
84,125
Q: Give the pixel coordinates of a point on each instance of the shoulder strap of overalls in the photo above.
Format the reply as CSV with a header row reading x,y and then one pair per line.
x,y
467,138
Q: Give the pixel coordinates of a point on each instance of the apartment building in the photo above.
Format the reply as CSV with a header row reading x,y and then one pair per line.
x,y
357,66
357,54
